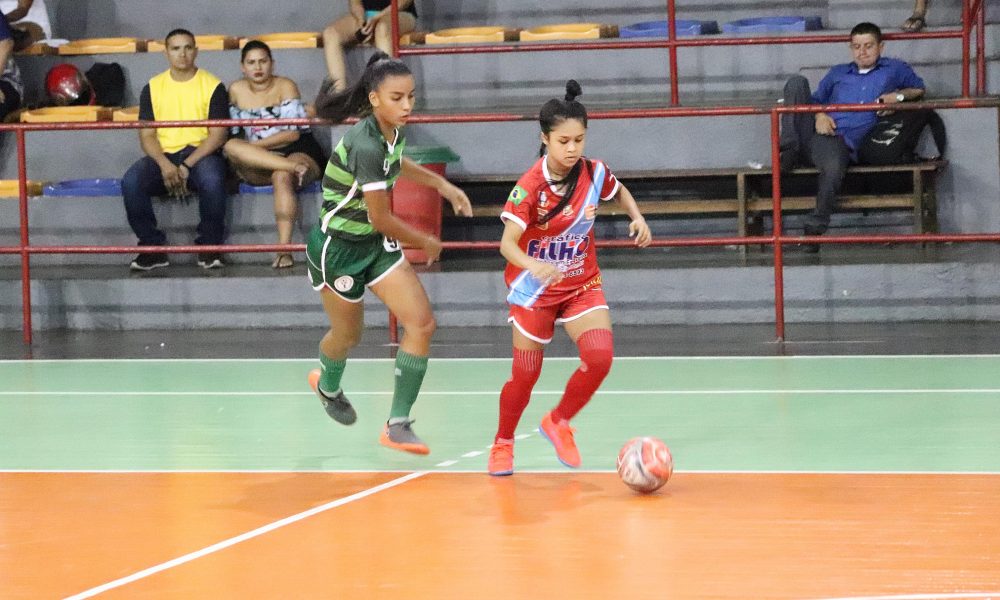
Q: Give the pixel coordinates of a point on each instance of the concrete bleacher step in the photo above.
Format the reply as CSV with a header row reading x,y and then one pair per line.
x,y
611,79
967,191
100,221
905,286
890,15
73,19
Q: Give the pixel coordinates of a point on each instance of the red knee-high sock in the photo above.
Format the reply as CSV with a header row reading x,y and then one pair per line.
x,y
516,392
596,352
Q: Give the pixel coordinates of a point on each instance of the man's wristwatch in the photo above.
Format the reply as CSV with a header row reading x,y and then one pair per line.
x,y
900,97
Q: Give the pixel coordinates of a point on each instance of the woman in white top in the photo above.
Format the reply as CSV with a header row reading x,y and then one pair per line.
x,y
286,157
30,17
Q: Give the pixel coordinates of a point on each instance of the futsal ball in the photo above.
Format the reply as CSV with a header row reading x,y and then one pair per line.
x,y
645,464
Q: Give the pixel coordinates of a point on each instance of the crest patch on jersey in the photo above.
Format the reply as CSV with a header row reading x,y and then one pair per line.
x,y
517,194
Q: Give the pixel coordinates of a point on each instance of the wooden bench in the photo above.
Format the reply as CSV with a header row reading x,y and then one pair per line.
x,y
752,193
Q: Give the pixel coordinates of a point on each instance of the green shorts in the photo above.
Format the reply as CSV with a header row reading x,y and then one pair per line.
x,y
347,267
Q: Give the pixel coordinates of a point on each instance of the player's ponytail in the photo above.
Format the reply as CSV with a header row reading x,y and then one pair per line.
x,y
554,112
353,102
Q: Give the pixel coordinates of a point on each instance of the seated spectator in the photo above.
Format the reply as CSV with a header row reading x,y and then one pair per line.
x,y
11,88
29,19
283,156
179,159
917,20
367,22
830,141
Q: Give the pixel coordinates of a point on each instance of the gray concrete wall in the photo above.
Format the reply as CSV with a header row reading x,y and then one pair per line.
x,y
827,293
104,18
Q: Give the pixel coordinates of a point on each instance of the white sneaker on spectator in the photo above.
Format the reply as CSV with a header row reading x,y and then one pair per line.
x,y
210,260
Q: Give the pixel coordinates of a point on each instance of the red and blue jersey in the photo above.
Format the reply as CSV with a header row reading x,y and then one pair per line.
x,y
566,240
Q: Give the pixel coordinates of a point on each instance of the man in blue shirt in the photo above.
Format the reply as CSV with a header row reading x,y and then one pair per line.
x,y
830,141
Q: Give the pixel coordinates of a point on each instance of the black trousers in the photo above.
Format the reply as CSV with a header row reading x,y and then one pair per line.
x,y
828,153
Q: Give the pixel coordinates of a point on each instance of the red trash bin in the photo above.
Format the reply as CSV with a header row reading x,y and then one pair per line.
x,y
419,205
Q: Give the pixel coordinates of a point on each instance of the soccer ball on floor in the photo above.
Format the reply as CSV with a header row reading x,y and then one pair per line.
x,y
645,464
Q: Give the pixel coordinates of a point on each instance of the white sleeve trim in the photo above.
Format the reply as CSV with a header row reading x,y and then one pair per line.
x,y
618,184
371,187
509,216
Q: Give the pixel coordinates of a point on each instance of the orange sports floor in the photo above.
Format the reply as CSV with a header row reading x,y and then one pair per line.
x,y
215,479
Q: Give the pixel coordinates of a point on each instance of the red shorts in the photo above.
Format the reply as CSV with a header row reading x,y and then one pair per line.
x,y
539,322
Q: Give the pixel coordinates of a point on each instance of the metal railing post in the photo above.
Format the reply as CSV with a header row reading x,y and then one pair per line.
x,y
672,38
394,23
22,188
966,54
779,268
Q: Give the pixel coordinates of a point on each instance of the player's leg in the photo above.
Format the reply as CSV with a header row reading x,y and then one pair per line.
x,y
329,262
588,324
595,342
346,323
532,329
401,291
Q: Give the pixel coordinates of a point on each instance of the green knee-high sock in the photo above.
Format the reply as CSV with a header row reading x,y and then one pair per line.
x,y
333,370
410,371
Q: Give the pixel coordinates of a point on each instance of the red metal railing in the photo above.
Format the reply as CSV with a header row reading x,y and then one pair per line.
x,y
971,9
777,239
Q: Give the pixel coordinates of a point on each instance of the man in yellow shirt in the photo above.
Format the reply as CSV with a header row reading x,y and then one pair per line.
x,y
179,159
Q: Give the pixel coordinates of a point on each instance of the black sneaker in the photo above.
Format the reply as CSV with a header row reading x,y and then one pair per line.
x,y
147,261
210,260
808,230
337,405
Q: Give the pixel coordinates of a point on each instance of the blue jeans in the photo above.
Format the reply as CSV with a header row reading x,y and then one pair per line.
x,y
144,180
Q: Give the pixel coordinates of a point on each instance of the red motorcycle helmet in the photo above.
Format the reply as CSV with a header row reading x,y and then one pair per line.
x,y
67,86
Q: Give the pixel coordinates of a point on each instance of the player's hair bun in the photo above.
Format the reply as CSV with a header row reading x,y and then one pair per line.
x,y
573,90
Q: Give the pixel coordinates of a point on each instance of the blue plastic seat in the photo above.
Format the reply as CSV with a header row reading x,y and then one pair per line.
x,y
84,187
773,25
659,28
245,188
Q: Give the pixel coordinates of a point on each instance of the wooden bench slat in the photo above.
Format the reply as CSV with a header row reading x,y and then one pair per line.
x,y
844,202
920,201
930,165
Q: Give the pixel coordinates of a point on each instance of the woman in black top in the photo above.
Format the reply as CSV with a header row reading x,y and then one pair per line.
x,y
367,22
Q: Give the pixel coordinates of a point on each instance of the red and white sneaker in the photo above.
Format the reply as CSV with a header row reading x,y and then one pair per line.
x,y
501,458
560,435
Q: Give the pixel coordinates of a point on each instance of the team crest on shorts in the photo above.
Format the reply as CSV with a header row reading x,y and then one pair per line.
x,y
343,284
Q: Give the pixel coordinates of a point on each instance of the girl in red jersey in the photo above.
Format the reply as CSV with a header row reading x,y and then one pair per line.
x,y
553,276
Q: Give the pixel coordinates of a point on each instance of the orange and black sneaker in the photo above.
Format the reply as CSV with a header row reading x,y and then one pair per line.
x,y
501,458
560,435
336,405
400,436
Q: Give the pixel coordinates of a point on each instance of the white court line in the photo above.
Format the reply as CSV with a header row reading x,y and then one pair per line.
x,y
507,359
446,463
979,595
243,537
540,392
565,471
472,454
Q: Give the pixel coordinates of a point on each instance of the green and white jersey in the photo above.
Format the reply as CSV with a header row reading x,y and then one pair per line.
x,y
363,161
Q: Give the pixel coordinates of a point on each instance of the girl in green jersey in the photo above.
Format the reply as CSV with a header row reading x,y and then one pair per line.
x,y
356,244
